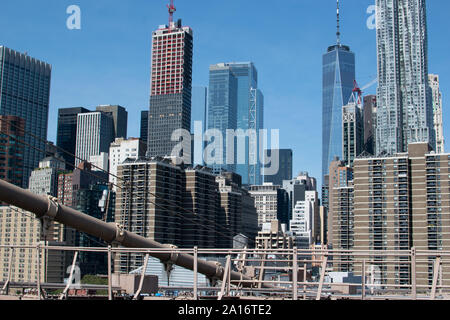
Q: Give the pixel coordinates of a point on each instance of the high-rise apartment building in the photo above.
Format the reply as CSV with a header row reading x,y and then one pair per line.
x,y
401,202
120,119
95,132
171,85
339,184
284,167
11,159
404,100
25,93
67,132
370,121
21,228
437,112
338,83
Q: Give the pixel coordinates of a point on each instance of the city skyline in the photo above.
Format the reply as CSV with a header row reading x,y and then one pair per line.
x,y
298,95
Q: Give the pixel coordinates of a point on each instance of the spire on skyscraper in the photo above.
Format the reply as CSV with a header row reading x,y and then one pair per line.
x,y
338,33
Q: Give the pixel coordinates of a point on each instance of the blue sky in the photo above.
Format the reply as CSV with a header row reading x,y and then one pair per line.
x,y
108,60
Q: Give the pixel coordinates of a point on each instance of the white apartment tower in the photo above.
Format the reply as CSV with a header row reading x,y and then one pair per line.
x,y
122,149
437,112
405,112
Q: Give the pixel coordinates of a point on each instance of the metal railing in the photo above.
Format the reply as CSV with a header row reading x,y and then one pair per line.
x,y
284,273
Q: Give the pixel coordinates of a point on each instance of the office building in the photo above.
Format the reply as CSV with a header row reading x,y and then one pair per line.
x,y
144,126
370,121
25,93
120,119
67,133
250,116
433,80
352,131
404,99
338,82
400,202
122,149
271,202
222,116
95,132
284,167
11,162
171,85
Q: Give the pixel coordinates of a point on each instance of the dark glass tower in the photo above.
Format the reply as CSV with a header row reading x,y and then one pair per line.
x,y
67,132
144,126
171,86
285,167
25,93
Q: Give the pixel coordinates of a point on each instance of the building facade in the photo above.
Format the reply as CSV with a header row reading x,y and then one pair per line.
x,y
437,112
404,101
370,121
120,119
271,202
144,126
25,93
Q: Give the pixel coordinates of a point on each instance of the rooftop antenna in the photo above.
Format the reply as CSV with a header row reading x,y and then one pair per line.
x,y
172,9
338,33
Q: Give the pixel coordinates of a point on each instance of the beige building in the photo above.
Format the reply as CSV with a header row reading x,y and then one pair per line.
x,y
273,237
402,202
20,228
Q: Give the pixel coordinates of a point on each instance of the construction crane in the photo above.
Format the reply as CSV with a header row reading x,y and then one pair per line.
x,y
49,209
358,91
172,10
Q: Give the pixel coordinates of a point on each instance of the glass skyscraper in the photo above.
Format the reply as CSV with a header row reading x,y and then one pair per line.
x,y
249,115
338,80
222,111
25,93
404,97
